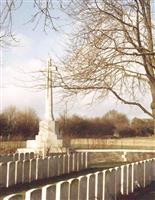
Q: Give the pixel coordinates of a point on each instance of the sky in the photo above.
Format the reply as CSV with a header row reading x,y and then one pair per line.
x,y
20,63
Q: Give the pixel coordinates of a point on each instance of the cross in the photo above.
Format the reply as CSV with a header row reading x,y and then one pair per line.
x,y
49,93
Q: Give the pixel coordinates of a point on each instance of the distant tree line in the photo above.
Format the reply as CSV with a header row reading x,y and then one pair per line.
x,y
17,124
21,125
112,124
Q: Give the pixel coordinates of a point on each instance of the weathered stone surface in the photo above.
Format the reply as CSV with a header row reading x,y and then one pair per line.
x,y
18,171
32,175
39,167
60,164
45,169
53,166
3,175
82,160
10,173
15,156
75,162
66,164
71,162
129,178
123,179
109,185
78,161
13,197
92,187
49,192
74,189
117,180
27,156
26,171
51,171
21,156
83,188
63,162
64,190
153,169
148,172
31,155
33,194
100,185
46,140
141,172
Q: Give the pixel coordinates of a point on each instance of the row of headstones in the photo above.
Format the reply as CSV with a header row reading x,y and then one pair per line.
x,y
16,156
104,185
26,171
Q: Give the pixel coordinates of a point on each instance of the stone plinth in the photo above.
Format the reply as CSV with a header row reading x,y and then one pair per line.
x,y
47,139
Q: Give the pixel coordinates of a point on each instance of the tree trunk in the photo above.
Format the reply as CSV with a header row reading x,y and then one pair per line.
x,y
153,103
153,113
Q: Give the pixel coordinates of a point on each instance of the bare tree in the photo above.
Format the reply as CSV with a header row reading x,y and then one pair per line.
x,y
113,50
42,14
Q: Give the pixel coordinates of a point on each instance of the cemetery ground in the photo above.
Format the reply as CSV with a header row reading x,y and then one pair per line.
x,y
92,167
103,160
20,189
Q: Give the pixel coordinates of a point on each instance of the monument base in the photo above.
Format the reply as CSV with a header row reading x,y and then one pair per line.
x,y
46,141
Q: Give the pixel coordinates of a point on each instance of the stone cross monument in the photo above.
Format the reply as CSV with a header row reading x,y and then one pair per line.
x,y
49,93
47,140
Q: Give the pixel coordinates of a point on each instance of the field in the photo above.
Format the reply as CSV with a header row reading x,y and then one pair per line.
x,y
84,143
11,146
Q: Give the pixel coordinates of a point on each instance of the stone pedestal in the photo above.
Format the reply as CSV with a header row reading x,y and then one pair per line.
x,y
47,141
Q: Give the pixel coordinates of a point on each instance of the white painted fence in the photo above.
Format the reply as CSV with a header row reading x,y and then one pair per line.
x,y
102,185
27,170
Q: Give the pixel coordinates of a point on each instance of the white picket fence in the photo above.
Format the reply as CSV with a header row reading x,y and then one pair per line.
x,y
101,185
28,170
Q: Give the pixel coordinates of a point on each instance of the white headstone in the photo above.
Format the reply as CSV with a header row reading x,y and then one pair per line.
x,y
15,156
10,173
49,192
100,185
26,171
13,197
34,194
118,180
18,171
53,168
39,167
60,164
83,187
64,190
45,168
74,189
92,186
32,174
3,174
